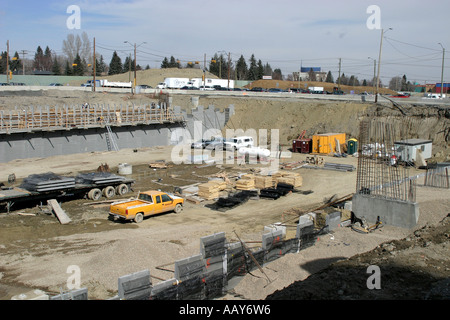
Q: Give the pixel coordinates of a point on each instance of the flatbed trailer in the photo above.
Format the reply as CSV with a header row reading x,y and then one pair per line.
x,y
93,191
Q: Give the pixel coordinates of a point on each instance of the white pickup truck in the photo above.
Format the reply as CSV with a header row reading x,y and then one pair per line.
x,y
239,142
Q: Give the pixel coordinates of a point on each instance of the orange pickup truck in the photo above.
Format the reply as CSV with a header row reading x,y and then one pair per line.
x,y
146,204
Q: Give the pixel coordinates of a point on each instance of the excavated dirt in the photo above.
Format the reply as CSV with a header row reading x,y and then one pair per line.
x,y
35,250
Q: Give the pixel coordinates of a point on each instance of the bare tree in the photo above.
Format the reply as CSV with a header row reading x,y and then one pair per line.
x,y
76,45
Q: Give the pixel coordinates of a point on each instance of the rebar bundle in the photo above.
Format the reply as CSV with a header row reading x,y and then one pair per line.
x,y
379,174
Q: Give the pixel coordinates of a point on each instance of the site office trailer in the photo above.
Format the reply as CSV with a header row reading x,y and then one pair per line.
x,y
326,142
406,150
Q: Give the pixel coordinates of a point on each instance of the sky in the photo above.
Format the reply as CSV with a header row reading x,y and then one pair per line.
x,y
287,34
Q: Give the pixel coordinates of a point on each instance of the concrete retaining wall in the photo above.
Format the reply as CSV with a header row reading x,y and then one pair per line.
x,y
393,212
46,143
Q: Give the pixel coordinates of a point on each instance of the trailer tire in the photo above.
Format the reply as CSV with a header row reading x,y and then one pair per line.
x,y
138,217
109,192
122,189
95,194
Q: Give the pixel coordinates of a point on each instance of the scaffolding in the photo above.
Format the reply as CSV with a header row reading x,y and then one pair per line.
x,y
85,116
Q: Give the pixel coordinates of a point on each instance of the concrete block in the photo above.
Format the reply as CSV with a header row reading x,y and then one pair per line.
x,y
393,212
274,227
213,245
190,267
77,294
165,290
135,286
272,239
348,205
333,220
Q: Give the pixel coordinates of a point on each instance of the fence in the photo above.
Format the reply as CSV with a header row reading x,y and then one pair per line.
x,y
84,116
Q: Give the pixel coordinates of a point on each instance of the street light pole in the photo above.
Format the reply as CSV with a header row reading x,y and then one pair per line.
x,y
442,72
379,64
134,82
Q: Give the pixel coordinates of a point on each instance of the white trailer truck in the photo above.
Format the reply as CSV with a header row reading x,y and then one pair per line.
x,y
173,83
107,84
212,83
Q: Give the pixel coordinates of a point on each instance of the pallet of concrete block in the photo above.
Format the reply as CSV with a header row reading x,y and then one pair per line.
x,y
47,182
246,182
211,189
263,182
291,178
98,178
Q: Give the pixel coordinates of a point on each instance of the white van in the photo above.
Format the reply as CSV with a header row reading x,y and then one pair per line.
x,y
238,142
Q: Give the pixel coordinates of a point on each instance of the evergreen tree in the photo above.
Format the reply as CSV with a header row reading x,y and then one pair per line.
x,y
260,70
38,63
268,70
3,63
252,70
78,66
128,65
174,63
15,64
68,69
165,63
100,66
47,60
56,67
241,69
329,78
115,66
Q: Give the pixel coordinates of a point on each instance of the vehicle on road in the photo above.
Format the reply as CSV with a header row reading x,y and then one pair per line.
x,y
275,90
146,204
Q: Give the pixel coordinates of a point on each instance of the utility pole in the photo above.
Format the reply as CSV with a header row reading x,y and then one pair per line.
x,y
339,79
134,84
7,61
95,70
229,69
23,61
442,72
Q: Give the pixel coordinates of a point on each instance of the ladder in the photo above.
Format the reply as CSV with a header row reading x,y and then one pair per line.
x,y
110,141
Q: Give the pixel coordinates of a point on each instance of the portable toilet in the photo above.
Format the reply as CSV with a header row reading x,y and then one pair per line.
x,y
352,146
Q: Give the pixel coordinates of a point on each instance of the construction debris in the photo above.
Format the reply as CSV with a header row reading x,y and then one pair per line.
x,y
58,211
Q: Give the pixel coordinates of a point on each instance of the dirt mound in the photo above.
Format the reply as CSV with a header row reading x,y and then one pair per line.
x,y
415,267
152,77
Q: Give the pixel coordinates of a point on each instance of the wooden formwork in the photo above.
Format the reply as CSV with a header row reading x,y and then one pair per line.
x,y
84,116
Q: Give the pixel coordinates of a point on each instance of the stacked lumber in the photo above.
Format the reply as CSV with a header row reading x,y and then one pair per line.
x,y
292,178
262,182
211,189
246,182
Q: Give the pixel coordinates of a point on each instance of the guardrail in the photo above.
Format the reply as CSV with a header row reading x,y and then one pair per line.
x,y
74,117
